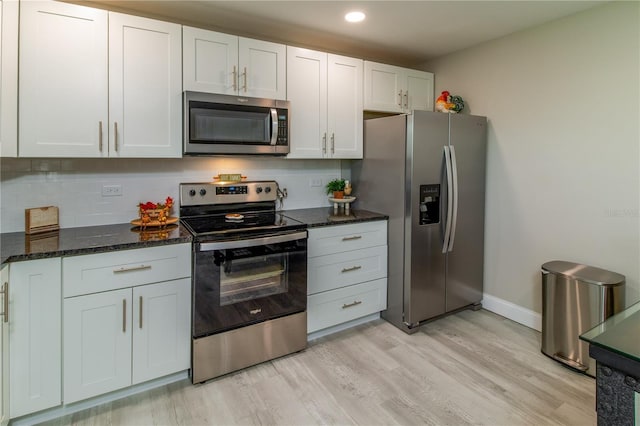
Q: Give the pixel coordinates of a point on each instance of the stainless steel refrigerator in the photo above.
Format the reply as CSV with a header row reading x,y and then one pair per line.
x,y
426,171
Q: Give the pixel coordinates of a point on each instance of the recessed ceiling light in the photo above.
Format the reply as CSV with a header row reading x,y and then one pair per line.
x,y
354,17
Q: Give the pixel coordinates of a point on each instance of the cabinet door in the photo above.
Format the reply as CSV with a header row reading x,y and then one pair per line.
x,y
63,80
344,107
97,344
383,87
210,61
161,329
8,78
262,67
307,90
4,346
419,90
35,335
145,87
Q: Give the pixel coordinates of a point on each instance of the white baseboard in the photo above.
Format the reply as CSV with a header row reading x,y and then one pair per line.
x,y
512,311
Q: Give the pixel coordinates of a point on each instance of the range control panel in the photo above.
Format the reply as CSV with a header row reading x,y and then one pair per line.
x,y
197,194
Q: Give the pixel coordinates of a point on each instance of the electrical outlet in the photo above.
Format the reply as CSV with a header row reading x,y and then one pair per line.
x,y
111,190
314,182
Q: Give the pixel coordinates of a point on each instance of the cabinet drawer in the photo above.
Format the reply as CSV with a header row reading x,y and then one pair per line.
x,y
345,304
127,268
348,268
341,238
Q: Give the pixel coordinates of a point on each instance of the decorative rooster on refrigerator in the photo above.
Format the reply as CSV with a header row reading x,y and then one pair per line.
x,y
448,103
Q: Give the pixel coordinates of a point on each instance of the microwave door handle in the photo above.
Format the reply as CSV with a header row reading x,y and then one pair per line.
x,y
274,126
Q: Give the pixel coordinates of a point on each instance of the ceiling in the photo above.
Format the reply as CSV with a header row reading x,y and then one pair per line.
x,y
405,33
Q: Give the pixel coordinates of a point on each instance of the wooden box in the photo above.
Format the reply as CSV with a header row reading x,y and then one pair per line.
x,y
41,219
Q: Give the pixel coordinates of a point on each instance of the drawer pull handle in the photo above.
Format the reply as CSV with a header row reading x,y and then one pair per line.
x,y
5,304
353,268
351,305
255,311
355,237
135,268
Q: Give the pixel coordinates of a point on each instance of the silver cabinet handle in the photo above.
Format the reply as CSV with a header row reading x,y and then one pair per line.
x,y
140,311
333,143
5,302
353,268
100,135
245,79
351,305
135,268
124,315
255,311
406,99
324,143
354,237
400,99
115,136
235,79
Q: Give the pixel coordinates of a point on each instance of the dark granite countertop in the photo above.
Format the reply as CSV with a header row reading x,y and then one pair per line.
x,y
327,216
18,246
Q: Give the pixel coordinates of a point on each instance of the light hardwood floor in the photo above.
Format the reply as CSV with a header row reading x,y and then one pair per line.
x,y
468,368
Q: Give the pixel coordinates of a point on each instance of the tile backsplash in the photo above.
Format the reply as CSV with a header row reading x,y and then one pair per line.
x,y
76,185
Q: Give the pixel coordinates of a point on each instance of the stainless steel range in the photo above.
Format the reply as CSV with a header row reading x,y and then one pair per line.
x,y
249,276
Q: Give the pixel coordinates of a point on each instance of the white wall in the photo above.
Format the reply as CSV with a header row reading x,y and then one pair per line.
x,y
563,174
75,185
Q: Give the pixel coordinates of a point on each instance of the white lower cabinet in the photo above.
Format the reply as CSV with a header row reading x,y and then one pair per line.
x,y
4,347
124,337
35,336
347,273
134,324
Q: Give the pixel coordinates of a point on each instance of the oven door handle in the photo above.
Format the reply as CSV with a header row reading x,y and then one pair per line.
x,y
252,242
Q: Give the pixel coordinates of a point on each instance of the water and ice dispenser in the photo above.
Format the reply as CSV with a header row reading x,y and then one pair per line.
x,y
429,204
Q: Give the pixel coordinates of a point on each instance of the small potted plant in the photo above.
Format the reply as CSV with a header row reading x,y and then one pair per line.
x,y
336,187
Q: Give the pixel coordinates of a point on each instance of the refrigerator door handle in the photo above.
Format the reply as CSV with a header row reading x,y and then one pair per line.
x,y
447,228
454,215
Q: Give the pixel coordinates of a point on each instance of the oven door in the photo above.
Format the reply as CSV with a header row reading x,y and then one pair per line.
x,y
241,282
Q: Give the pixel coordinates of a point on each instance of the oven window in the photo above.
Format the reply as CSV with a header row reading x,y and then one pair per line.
x,y
245,276
216,125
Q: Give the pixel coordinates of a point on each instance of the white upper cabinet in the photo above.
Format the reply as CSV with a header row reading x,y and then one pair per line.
x,y
389,88
112,86
63,80
222,63
9,78
344,105
325,92
145,87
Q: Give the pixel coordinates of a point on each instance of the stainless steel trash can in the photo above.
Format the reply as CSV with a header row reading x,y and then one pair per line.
x,y
576,298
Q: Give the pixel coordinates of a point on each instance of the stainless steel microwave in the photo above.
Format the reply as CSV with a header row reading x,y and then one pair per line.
x,y
225,124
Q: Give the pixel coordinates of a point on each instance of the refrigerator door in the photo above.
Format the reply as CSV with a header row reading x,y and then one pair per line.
x,y
425,266
465,262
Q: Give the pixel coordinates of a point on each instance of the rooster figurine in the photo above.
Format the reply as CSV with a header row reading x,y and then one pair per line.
x,y
448,103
